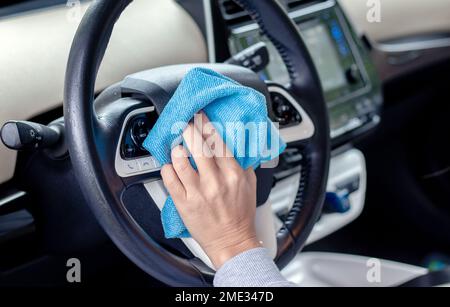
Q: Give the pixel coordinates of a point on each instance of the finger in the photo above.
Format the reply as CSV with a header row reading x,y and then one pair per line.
x,y
183,167
222,155
203,157
172,182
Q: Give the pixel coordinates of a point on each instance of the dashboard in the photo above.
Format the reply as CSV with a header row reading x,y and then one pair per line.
x,y
348,78
37,47
395,23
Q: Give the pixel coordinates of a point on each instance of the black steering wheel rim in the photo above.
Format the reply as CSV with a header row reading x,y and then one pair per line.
x,y
104,196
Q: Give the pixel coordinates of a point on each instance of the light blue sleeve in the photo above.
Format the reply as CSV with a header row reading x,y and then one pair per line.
x,y
253,268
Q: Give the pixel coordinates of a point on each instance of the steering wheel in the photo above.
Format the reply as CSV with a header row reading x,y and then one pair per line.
x,y
127,204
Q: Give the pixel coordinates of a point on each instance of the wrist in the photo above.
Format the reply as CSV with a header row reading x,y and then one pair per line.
x,y
221,255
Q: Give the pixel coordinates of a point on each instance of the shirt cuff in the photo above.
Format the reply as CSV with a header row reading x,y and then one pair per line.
x,y
252,268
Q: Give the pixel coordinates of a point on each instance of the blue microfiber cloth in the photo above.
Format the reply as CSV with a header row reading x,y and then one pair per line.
x,y
224,101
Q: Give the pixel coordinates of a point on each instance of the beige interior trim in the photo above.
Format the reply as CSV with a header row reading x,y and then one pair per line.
x,y
35,48
400,17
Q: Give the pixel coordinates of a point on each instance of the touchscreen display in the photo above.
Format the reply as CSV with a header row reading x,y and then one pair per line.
x,y
325,57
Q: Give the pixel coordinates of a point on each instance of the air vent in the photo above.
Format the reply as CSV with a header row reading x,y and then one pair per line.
x,y
232,13
231,10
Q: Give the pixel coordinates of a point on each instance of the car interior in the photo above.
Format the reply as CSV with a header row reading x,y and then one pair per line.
x,y
358,89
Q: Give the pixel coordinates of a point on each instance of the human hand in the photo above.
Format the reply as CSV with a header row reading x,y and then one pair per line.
x,y
217,203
